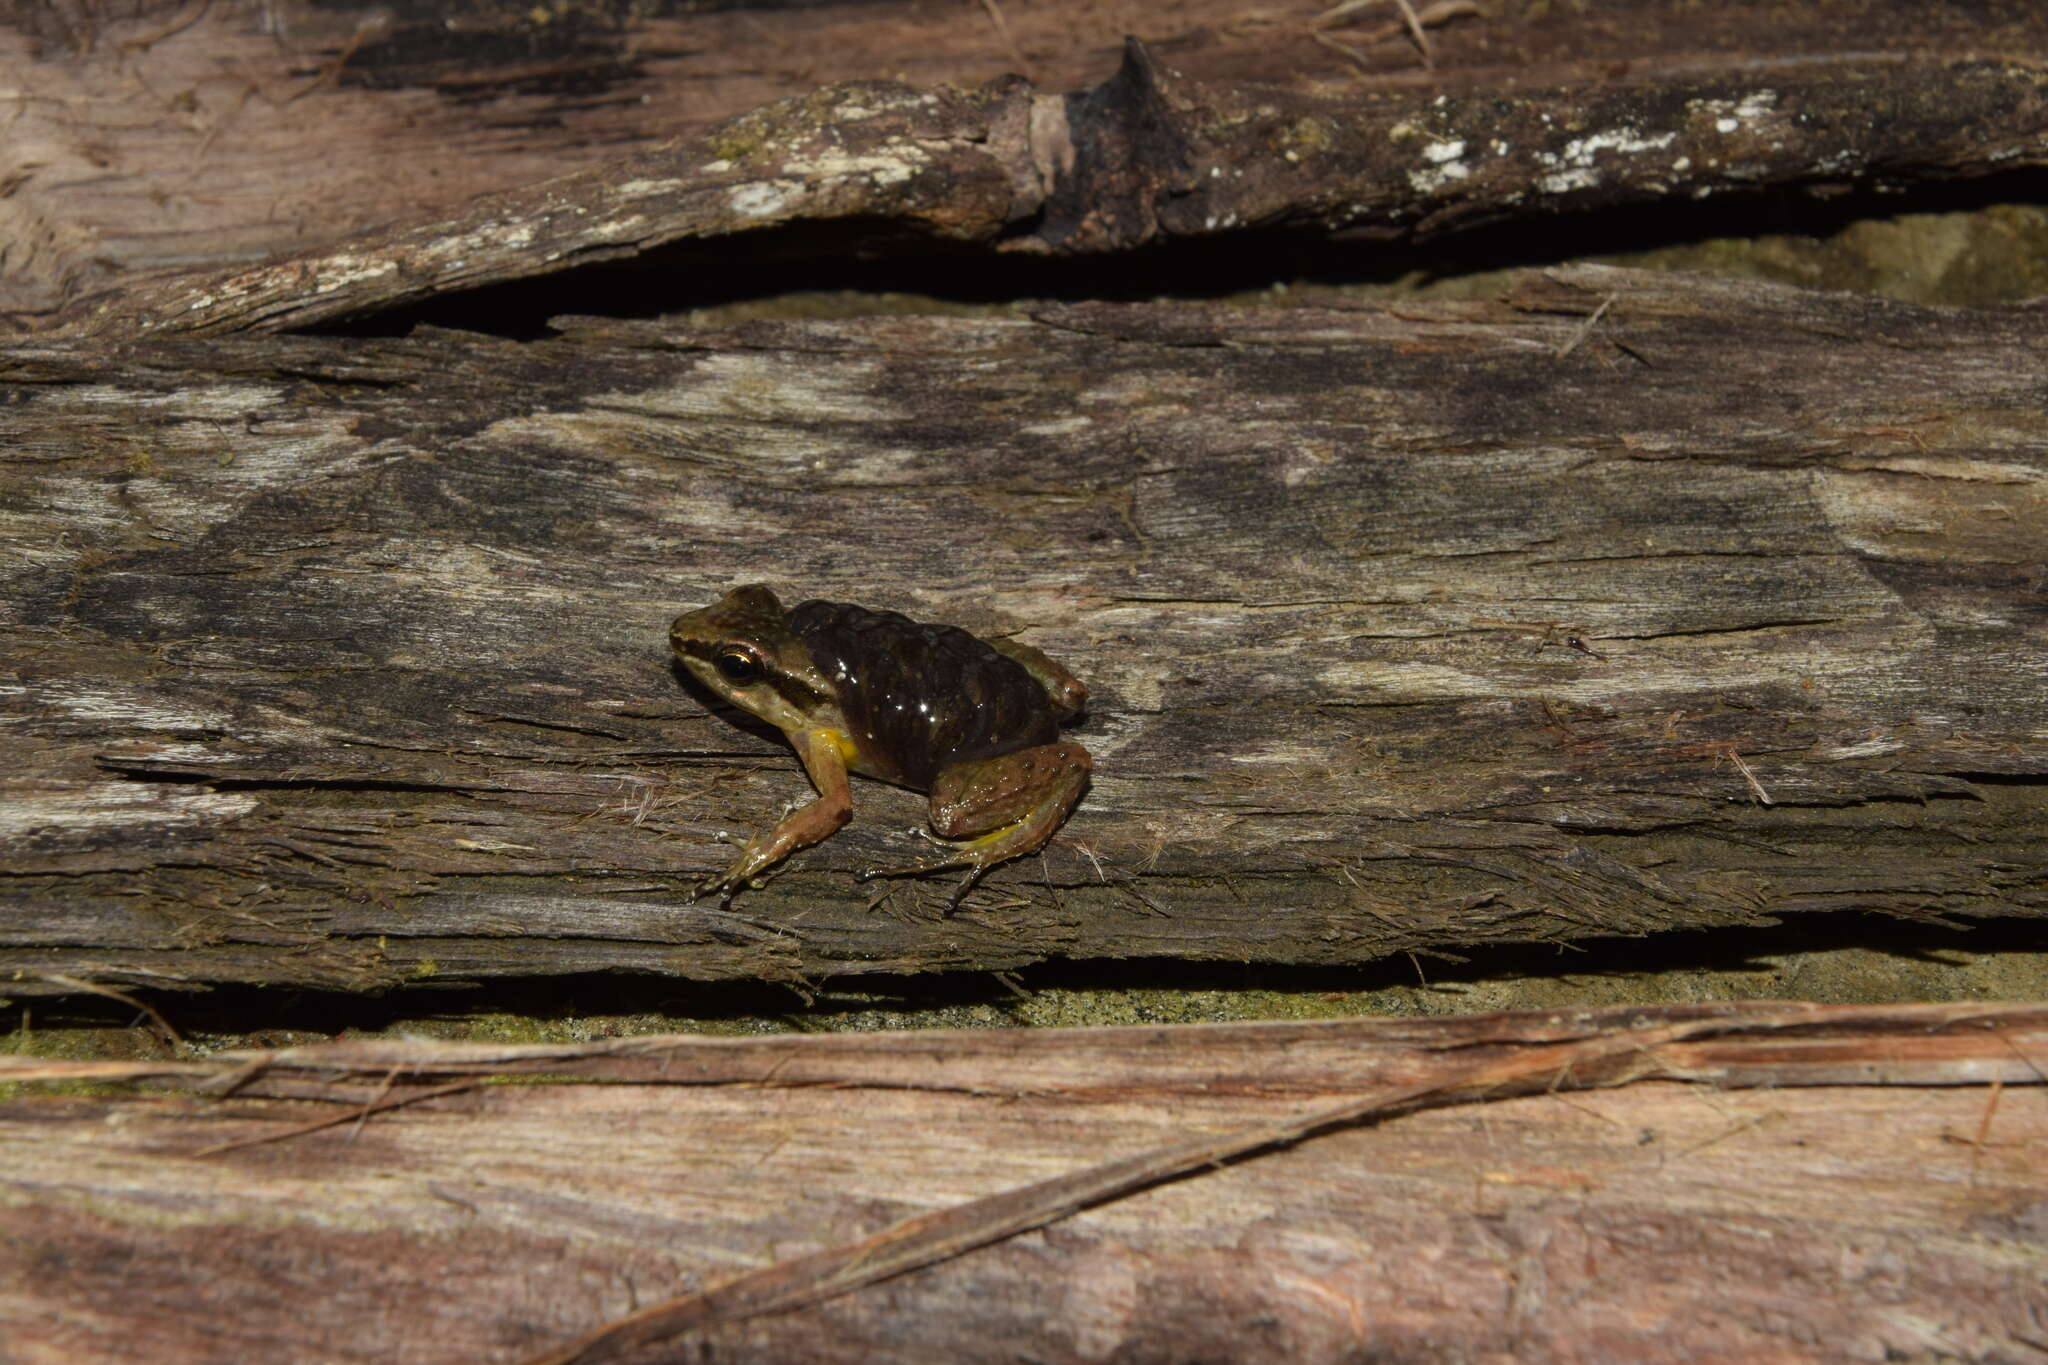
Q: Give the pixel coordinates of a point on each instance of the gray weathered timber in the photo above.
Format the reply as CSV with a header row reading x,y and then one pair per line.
x,y
1151,155
158,137
340,662
1711,1190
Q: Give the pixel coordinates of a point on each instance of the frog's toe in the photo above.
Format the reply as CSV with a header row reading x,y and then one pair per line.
x,y
975,869
966,885
953,855
870,874
725,886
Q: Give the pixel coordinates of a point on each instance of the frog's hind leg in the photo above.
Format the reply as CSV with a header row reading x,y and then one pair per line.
x,y
992,809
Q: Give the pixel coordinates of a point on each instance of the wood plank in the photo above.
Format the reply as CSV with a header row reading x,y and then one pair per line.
x,y
1655,1184
337,173
341,663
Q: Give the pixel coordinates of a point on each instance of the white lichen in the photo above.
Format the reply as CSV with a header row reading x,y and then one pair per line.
x,y
1730,115
1564,182
900,163
346,269
1430,181
1576,167
1627,141
763,198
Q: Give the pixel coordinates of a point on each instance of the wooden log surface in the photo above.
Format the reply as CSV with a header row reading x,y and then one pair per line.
x,y
1616,603
351,143
1604,605
1763,1181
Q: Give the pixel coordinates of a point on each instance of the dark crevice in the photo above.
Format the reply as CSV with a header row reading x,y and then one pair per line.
x,y
337,784
215,782
170,777
1743,629
557,727
867,256
247,1011
1988,779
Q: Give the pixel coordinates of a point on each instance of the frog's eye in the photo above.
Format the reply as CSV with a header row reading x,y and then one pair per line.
x,y
739,664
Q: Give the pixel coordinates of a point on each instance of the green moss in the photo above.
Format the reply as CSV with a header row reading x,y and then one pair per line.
x,y
1974,259
1305,136
737,145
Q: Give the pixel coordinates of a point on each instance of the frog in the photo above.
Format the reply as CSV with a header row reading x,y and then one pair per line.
x,y
972,722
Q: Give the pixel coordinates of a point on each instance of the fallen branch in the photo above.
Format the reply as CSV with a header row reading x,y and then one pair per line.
x,y
1679,1165
1610,1059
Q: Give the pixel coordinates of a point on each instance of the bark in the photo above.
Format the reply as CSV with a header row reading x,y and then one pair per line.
x,y
352,144
1712,1190
1616,604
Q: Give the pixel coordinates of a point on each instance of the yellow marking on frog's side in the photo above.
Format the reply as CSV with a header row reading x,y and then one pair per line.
x,y
843,742
988,840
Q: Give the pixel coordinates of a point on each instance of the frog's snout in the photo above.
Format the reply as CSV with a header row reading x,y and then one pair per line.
x,y
677,633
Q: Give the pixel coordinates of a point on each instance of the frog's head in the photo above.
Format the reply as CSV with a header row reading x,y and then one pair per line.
x,y
742,649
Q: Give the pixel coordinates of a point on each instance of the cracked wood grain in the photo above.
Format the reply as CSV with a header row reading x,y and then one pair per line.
x,y
1678,1168
339,663
1155,154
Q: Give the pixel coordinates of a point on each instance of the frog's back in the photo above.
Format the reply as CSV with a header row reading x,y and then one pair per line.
x,y
919,697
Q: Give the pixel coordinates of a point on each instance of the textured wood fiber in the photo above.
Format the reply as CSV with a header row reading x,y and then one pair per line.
x,y
1727,1199
340,663
350,141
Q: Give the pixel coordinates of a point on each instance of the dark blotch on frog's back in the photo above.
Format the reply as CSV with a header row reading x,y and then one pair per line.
x,y
921,698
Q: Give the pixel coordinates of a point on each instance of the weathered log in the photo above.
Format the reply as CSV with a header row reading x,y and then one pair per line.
x,y
1620,603
376,1199
1519,118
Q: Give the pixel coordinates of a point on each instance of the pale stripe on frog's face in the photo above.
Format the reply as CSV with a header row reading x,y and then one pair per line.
x,y
742,649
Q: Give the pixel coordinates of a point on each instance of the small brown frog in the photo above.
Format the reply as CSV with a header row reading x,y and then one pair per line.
x,y
973,722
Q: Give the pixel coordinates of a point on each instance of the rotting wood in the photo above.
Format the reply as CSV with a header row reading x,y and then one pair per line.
x,y
1725,1197
160,135
339,663
1153,154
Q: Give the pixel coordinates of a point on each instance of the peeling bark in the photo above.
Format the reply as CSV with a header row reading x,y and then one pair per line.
x,y
340,662
1710,1189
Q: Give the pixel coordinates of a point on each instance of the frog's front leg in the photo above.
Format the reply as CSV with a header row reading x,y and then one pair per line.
x,y
824,757
990,809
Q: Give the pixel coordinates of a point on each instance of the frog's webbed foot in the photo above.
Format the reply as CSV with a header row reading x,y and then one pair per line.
x,y
936,864
734,879
724,887
757,861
